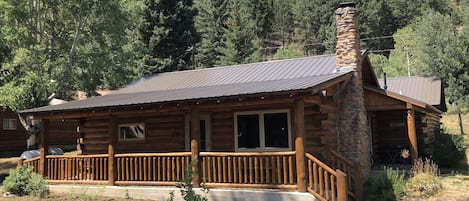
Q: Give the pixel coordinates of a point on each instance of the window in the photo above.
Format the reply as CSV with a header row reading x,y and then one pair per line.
x,y
263,130
9,124
131,132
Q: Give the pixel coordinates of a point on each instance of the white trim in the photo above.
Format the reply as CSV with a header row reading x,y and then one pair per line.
x,y
262,130
131,139
10,124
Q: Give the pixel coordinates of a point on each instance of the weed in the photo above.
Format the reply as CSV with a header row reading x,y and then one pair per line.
x,y
387,185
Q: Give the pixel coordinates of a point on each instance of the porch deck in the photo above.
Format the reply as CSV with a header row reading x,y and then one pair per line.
x,y
265,170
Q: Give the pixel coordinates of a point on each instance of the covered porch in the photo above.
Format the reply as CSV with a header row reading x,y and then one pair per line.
x,y
164,143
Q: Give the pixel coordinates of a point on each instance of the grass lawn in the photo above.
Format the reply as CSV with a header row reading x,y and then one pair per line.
x,y
8,163
451,124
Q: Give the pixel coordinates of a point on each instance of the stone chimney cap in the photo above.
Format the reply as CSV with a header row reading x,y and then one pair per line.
x,y
347,4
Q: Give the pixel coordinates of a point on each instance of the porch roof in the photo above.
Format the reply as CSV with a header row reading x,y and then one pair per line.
x,y
312,83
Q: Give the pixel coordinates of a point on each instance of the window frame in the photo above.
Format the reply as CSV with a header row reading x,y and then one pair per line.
x,y
262,147
7,122
119,139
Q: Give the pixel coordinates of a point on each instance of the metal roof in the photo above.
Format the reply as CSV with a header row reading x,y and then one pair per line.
x,y
264,77
427,89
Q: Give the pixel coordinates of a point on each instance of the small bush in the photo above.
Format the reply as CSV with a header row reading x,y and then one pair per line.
x,y
186,188
449,145
423,184
387,185
23,181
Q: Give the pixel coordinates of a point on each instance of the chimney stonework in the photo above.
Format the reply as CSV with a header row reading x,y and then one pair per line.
x,y
353,131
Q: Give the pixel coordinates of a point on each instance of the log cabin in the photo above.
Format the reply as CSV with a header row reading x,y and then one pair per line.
x,y
12,135
301,124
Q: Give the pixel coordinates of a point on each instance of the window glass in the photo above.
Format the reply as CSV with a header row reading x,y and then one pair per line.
x,y
131,132
248,131
9,124
276,130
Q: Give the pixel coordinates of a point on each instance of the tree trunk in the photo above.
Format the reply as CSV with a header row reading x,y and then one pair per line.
x,y
460,121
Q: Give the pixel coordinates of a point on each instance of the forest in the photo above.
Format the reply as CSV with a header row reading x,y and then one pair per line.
x,y
53,48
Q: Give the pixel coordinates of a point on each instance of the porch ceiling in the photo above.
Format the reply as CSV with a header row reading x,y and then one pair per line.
x,y
312,83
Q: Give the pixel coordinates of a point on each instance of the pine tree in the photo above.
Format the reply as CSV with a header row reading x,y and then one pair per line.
x,y
169,35
241,44
210,24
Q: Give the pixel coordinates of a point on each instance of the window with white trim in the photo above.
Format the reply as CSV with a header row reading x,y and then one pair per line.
x,y
263,130
9,124
131,132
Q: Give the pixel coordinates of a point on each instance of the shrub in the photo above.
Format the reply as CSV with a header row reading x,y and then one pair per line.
x,y
386,185
186,188
449,145
424,184
23,181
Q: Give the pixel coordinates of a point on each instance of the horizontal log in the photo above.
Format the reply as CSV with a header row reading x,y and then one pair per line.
x,y
321,164
146,183
31,160
154,154
260,186
86,182
79,156
286,153
315,194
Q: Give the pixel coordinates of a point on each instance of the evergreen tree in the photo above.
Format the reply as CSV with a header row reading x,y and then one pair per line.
x,y
240,43
169,35
210,23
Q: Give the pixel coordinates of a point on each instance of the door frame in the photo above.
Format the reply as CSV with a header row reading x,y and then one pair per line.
x,y
208,131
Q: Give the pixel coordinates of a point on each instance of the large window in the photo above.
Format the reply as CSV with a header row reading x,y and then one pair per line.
x,y
263,130
9,124
131,132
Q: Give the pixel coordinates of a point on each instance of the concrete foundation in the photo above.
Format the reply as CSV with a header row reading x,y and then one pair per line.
x,y
162,193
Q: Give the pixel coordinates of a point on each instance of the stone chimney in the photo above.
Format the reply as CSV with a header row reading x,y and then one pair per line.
x,y
348,39
353,130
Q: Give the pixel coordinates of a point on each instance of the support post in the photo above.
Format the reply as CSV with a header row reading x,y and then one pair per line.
x,y
195,144
110,151
358,182
411,132
299,111
341,186
43,149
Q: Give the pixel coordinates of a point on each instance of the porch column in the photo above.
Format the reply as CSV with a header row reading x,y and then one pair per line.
x,y
299,114
44,147
110,151
411,132
195,143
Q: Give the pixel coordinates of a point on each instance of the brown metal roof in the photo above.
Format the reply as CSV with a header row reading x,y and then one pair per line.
x,y
309,73
427,89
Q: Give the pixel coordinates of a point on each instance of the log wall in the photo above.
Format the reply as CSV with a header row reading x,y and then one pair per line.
x,y
63,132
12,140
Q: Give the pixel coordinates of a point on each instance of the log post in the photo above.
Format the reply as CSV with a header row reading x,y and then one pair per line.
x,y
195,144
341,186
299,117
411,132
111,163
20,162
358,182
110,151
44,148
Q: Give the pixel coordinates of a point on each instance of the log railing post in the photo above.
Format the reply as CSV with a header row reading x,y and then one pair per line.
x,y
195,144
358,182
341,186
411,132
43,149
111,165
299,118
111,152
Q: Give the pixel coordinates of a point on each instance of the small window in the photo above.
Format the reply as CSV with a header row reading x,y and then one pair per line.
x,y
130,132
9,124
263,130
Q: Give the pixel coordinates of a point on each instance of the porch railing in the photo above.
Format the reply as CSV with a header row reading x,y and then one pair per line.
x,y
151,168
33,163
324,182
262,170
354,172
77,168
216,169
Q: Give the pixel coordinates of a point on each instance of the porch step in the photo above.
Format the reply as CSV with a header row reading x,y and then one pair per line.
x,y
162,193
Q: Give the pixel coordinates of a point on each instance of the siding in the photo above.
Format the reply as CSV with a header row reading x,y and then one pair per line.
x,y
12,140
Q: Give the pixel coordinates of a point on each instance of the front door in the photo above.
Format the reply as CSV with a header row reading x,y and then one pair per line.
x,y
204,121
